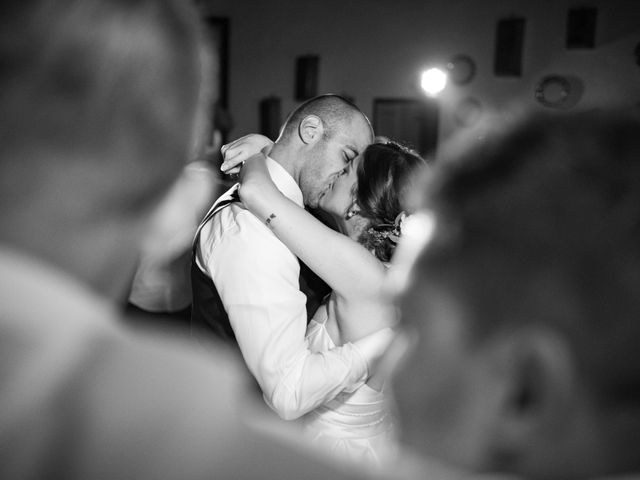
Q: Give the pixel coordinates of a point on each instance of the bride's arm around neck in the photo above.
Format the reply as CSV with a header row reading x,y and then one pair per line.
x,y
347,267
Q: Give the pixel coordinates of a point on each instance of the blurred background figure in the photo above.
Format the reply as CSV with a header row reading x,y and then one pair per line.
x,y
98,108
161,288
522,306
162,283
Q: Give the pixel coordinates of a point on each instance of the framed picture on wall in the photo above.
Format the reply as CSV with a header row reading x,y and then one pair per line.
x,y
509,47
412,122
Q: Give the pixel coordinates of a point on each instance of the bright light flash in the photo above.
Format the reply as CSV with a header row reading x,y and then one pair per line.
x,y
433,81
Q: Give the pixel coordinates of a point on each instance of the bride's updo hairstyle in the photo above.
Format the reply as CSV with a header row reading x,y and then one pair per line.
x,y
384,176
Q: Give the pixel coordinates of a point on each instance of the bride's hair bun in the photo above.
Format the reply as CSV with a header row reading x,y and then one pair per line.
x,y
383,178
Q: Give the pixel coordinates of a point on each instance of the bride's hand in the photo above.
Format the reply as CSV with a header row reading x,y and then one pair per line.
x,y
238,151
255,181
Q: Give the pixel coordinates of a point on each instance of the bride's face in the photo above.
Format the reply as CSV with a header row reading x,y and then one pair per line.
x,y
338,196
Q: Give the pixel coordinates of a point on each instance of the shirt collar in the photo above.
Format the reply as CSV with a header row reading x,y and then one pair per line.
x,y
285,182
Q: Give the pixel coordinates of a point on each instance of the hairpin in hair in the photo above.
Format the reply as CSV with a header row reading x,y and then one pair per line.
x,y
392,231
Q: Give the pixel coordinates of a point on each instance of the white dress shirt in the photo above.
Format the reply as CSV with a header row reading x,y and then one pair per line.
x,y
257,278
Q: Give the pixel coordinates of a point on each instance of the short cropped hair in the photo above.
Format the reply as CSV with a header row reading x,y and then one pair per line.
x,y
86,81
333,111
539,223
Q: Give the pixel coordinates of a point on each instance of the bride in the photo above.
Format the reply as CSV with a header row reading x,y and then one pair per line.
x,y
364,201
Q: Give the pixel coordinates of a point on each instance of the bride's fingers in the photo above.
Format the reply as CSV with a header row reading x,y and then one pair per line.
x,y
232,158
236,155
230,152
229,146
237,142
234,170
230,168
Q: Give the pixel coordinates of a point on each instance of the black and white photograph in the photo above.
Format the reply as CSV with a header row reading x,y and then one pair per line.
x,y
348,239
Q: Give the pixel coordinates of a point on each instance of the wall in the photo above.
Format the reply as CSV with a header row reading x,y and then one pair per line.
x,y
377,48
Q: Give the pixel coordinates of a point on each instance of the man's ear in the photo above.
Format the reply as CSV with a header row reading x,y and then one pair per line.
x,y
310,129
539,376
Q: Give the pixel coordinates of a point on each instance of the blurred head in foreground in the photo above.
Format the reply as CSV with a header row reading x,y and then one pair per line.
x,y
98,102
523,278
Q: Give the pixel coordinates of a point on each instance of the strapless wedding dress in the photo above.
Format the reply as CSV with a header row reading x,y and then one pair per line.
x,y
358,425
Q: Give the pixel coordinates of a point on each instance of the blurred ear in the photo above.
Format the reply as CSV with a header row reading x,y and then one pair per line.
x,y
537,371
311,129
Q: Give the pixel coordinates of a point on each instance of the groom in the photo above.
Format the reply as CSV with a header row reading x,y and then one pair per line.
x,y
246,282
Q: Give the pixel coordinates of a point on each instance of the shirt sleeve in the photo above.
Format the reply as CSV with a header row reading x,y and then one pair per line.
x,y
257,279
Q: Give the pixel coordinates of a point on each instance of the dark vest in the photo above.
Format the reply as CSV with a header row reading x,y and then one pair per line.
x,y
208,316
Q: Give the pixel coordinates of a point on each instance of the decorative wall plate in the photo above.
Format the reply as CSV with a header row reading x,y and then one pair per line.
x,y
467,112
558,91
461,69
